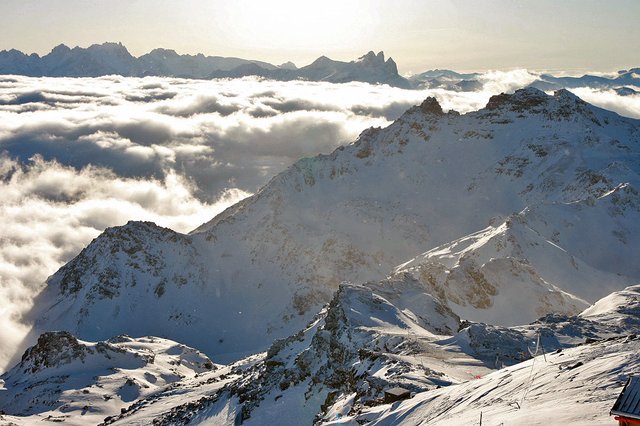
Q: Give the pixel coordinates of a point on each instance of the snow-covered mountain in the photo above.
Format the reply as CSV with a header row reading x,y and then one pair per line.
x,y
531,199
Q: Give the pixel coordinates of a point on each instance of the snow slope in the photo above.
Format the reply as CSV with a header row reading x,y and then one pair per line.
x,y
572,381
263,268
65,379
513,267
334,371
574,386
357,346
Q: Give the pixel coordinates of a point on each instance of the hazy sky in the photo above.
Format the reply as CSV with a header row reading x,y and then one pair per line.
x,y
418,34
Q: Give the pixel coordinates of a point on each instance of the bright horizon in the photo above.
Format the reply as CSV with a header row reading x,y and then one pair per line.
x,y
462,35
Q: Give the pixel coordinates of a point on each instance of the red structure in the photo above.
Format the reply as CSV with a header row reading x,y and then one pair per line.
x,y
627,407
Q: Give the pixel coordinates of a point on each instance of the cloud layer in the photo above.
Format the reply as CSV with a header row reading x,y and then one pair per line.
x,y
79,154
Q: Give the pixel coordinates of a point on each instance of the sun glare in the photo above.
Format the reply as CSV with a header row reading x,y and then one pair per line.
x,y
291,24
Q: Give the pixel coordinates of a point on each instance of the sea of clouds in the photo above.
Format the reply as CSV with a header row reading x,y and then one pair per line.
x,y
78,155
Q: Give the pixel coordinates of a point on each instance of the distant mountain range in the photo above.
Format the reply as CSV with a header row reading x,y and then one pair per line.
x,y
114,58
469,82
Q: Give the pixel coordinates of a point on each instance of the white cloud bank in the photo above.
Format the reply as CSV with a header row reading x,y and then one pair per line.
x,y
79,154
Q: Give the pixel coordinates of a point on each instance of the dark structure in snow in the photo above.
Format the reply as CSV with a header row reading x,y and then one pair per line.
x,y
396,394
627,406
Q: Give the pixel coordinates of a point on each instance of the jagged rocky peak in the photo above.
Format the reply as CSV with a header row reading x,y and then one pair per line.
x,y
109,49
165,53
378,60
108,45
520,100
562,104
143,225
53,348
288,66
431,106
361,343
134,230
60,49
126,242
321,60
391,66
372,58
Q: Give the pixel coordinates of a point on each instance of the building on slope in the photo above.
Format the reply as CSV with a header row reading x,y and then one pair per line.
x,y
627,406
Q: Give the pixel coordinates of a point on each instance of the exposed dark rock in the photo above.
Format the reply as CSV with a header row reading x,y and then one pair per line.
x,y
431,106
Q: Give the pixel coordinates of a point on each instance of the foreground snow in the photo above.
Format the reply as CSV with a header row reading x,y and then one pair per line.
x,y
336,369
67,380
574,386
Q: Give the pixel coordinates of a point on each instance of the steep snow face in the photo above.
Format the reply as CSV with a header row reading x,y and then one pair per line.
x,y
621,308
65,379
513,268
166,283
261,269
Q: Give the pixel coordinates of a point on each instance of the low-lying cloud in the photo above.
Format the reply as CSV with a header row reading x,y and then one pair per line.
x,y
51,211
80,154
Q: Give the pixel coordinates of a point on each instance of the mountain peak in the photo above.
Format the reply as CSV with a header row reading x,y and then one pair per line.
x,y
288,66
565,95
108,44
391,66
372,58
53,348
163,52
61,48
431,106
562,105
116,47
521,99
